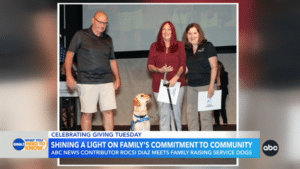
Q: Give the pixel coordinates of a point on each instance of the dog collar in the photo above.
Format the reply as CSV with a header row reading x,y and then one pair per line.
x,y
138,121
140,116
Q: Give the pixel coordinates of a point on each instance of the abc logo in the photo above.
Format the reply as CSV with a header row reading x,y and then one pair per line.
x,y
270,148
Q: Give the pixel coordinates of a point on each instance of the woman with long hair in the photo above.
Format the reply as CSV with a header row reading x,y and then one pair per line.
x,y
202,64
168,55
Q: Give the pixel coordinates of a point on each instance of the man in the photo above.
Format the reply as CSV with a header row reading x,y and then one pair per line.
x,y
96,66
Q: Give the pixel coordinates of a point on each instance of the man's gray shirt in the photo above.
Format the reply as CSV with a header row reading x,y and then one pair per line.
x,y
93,56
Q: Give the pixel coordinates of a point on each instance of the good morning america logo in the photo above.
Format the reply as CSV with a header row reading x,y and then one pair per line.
x,y
32,144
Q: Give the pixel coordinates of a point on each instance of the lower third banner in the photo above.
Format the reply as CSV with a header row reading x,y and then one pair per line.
x,y
154,148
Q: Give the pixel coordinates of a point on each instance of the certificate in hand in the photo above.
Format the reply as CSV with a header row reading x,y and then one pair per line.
x,y
64,91
163,93
205,104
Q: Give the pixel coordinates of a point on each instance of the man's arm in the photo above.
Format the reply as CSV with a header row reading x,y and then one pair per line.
x,y
115,70
68,65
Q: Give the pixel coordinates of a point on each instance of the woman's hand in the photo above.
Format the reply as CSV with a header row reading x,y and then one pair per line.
x,y
174,80
211,91
163,69
166,69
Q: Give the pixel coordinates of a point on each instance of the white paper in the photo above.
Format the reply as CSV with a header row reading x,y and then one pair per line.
x,y
64,92
163,93
205,104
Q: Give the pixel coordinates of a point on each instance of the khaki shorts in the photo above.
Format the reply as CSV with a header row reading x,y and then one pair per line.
x,y
91,94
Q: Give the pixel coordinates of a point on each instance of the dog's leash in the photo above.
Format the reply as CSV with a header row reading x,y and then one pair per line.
x,y
157,111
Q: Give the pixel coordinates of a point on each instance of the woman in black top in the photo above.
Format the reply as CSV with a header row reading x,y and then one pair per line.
x,y
202,64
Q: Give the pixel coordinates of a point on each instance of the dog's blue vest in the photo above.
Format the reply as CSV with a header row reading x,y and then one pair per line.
x,y
141,119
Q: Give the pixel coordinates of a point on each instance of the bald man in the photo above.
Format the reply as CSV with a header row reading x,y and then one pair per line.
x,y
98,72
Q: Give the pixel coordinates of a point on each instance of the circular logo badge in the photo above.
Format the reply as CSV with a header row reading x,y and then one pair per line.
x,y
270,148
19,144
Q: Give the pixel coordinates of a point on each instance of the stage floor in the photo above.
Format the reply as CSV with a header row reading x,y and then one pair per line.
x,y
229,127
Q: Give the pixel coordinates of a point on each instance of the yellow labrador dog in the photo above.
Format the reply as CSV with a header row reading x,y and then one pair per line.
x,y
140,119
